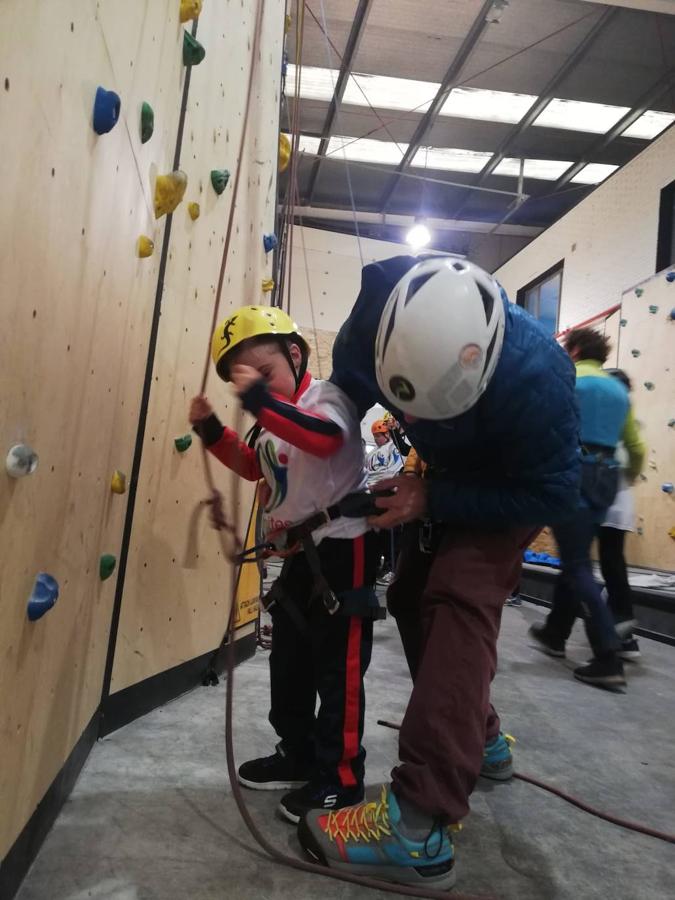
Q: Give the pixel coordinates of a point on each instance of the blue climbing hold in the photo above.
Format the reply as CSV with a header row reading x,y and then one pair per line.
x,y
670,277
541,559
623,323
671,423
672,314
284,65
44,595
667,488
270,242
107,106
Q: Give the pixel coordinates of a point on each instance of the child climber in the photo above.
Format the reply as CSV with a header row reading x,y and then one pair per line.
x,y
309,452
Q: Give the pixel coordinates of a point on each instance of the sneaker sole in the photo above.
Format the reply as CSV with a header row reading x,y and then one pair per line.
x,y
556,654
625,628
288,815
270,785
408,875
503,775
603,681
630,655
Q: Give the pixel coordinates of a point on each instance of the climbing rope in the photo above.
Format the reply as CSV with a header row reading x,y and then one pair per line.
x,y
574,801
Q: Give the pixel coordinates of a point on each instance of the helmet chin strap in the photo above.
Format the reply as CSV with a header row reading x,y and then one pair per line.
x,y
298,373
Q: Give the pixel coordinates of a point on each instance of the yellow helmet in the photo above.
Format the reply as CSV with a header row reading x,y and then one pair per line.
x,y
284,151
251,322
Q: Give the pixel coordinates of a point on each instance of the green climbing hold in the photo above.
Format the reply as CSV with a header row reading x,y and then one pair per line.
x,y
635,353
623,323
147,122
193,52
653,310
106,566
219,179
671,423
650,385
183,443
639,292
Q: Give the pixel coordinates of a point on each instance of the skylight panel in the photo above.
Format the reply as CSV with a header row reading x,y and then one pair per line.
x,y
649,125
315,83
545,169
450,159
308,144
578,115
384,92
366,150
594,173
490,106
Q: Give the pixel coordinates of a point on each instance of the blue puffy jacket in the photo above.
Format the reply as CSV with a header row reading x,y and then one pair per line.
x,y
510,460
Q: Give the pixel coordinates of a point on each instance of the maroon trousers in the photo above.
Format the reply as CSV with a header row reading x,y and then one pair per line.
x,y
448,606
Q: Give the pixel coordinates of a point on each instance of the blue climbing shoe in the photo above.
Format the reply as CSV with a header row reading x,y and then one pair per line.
x,y
372,839
498,759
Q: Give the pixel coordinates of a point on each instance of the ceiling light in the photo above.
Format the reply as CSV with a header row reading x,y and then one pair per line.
x,y
578,115
649,125
418,236
308,144
490,106
545,169
594,173
367,150
454,160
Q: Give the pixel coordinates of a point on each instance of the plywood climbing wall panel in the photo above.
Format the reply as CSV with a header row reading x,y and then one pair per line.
x,y
647,353
76,307
177,590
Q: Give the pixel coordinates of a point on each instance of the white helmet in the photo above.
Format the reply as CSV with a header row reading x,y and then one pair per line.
x,y
439,338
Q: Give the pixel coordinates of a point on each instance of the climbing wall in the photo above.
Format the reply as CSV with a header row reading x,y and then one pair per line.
x,y
76,309
647,339
77,305
177,591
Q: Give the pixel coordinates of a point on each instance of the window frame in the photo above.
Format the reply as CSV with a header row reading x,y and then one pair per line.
x,y
522,293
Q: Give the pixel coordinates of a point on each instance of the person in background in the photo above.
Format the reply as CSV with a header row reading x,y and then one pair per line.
x,y
383,461
619,519
606,418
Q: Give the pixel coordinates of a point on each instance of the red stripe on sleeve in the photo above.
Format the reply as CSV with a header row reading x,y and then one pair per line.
x,y
317,443
236,455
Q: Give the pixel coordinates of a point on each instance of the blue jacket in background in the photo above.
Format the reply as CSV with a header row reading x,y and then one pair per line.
x,y
603,405
510,460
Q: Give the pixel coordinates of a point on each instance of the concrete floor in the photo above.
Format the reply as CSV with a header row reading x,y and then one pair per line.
x,y
152,817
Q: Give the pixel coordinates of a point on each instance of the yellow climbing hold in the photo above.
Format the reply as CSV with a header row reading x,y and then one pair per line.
x,y
284,152
190,9
169,191
288,21
145,246
268,285
118,482
671,533
194,210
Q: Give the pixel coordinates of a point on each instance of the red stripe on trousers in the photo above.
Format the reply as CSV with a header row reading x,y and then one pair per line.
x,y
350,729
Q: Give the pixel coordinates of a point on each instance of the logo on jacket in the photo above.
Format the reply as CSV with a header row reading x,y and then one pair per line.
x,y
275,471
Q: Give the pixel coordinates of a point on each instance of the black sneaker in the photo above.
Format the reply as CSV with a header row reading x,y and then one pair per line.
x,y
318,795
624,628
543,641
630,650
279,772
514,600
603,672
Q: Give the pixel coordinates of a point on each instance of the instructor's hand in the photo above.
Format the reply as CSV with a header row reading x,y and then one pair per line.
x,y
407,504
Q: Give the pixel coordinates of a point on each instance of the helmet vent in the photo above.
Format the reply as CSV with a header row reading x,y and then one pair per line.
x,y
459,267
488,301
416,284
490,349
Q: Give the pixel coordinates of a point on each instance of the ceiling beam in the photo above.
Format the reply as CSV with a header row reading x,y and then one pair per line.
x,y
351,48
345,214
640,108
450,81
540,104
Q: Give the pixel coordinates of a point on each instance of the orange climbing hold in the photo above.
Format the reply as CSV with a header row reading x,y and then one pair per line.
x,y
190,9
145,246
169,191
194,211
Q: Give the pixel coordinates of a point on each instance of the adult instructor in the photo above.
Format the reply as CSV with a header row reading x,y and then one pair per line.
x,y
489,405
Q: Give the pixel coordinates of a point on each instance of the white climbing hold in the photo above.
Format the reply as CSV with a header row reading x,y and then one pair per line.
x,y
21,460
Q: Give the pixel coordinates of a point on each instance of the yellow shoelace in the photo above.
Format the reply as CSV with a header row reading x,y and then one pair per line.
x,y
362,822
